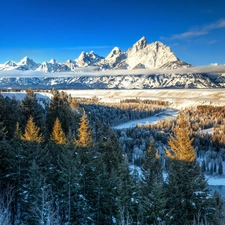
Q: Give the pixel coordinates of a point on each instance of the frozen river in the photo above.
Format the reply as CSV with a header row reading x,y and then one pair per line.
x,y
168,113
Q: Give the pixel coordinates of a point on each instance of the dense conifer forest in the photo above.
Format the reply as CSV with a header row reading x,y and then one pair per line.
x,y
62,163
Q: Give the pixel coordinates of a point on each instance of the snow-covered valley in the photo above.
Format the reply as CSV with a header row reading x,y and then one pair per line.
x,y
178,99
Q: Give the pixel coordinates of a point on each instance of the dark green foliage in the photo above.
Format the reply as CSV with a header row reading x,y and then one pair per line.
x,y
60,108
220,169
187,192
218,216
152,199
31,107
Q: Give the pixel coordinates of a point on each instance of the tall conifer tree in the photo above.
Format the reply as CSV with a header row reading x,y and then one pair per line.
x,y
85,134
186,187
32,132
58,135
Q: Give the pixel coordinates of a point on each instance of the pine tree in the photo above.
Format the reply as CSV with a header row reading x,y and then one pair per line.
x,y
74,204
151,200
218,217
30,107
181,145
85,134
58,135
60,107
186,187
32,132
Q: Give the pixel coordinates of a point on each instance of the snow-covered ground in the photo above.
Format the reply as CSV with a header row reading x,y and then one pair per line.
x,y
41,96
179,98
22,95
168,113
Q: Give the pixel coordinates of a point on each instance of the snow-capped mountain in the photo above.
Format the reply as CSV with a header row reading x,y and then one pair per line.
x,y
151,56
87,59
71,64
113,59
8,65
27,64
140,55
52,66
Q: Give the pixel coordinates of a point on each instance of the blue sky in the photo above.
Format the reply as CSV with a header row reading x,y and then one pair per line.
x,y
61,29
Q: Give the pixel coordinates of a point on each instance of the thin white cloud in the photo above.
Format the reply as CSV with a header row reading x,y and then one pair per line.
x,y
91,71
188,34
217,25
200,31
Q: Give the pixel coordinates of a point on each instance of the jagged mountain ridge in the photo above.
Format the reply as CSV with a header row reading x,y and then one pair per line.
x,y
140,55
114,82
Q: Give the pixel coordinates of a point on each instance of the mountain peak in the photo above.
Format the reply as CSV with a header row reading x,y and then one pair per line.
x,y
25,60
87,59
140,44
27,64
10,63
52,61
114,52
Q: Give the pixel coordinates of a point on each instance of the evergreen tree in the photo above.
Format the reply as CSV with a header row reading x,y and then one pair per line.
x,y
74,204
32,132
125,195
181,148
58,135
85,134
30,107
219,209
186,188
10,115
152,199
60,107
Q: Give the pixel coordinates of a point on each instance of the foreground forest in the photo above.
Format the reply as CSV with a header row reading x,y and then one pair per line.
x,y
61,163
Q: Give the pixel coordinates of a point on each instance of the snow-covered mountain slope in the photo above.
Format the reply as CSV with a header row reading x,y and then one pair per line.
x,y
9,65
88,59
113,82
113,59
53,66
27,64
71,64
154,55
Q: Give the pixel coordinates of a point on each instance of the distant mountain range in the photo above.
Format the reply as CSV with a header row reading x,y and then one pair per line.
x,y
154,56
141,56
